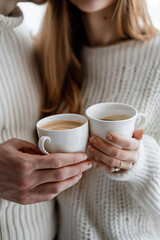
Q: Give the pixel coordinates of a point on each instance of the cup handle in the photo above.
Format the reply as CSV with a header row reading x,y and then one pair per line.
x,y
142,121
41,143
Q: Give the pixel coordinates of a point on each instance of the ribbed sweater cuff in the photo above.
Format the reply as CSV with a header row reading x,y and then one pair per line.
x,y
147,165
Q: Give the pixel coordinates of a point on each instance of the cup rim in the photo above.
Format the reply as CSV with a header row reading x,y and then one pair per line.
x,y
109,103
65,130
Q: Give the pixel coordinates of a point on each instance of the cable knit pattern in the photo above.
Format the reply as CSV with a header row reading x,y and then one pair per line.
x,y
19,112
115,206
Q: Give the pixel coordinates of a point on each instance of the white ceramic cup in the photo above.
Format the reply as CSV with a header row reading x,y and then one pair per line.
x,y
70,140
126,127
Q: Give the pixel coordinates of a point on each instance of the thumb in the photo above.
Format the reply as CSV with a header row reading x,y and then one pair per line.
x,y
138,134
25,147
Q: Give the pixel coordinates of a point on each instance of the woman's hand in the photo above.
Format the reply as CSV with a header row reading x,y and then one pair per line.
x,y
27,176
112,158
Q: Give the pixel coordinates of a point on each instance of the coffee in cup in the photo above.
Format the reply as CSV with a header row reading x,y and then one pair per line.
x,y
113,117
63,133
61,125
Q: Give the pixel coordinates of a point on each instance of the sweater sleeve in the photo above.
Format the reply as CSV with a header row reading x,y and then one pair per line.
x,y
143,180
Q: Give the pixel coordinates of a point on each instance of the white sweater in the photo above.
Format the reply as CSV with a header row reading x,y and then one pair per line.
x,y
19,112
113,206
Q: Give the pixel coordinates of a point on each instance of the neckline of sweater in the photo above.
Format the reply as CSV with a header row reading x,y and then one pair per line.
x,y
121,54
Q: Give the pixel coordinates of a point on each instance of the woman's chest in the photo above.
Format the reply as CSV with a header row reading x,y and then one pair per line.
x,y
138,86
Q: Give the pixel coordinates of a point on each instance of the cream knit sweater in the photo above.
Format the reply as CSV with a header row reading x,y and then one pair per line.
x,y
19,111
119,206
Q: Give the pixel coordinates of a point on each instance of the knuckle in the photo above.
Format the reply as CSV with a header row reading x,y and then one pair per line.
x,y
101,143
22,166
128,145
79,169
96,165
110,162
57,189
76,158
56,163
110,169
22,197
115,153
113,162
132,160
75,180
49,197
59,175
24,182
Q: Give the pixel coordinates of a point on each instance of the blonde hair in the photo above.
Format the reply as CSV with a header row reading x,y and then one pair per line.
x,y
59,46
133,20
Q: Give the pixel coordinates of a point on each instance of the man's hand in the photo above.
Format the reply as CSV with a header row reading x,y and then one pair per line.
x,y
27,176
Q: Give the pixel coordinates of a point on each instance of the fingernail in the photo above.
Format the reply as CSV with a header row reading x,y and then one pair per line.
x,y
90,149
109,137
52,196
89,165
80,176
93,140
84,157
86,167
